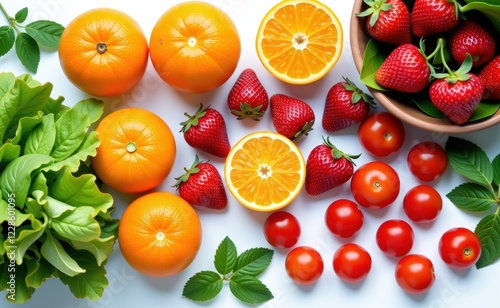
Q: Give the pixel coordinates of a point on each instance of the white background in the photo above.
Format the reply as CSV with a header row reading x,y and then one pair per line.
x,y
128,288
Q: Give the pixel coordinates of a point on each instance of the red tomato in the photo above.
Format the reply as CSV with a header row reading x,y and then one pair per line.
x,y
427,160
422,203
395,237
459,248
375,185
351,262
343,218
282,229
415,274
381,134
304,265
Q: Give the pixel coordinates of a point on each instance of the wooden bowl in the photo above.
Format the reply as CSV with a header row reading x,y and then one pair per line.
x,y
406,112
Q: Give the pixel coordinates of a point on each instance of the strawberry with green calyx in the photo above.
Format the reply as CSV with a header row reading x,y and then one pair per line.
x,y
469,37
248,98
430,17
291,117
206,131
327,167
389,21
201,185
345,105
456,93
490,78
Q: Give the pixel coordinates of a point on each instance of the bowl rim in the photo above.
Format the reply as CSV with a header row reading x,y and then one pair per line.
x,y
358,39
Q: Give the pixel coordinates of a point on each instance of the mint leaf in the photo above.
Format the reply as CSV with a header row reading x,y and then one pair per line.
x,y
27,51
45,32
496,170
469,160
7,38
253,262
203,286
249,289
21,15
488,231
472,197
225,256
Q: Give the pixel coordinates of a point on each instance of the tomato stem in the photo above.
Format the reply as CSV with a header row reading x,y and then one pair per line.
x,y
101,47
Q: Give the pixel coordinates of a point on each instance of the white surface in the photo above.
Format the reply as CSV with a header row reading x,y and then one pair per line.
x,y
127,288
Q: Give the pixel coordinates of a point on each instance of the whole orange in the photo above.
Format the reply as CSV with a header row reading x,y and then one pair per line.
x,y
137,150
195,47
159,234
104,52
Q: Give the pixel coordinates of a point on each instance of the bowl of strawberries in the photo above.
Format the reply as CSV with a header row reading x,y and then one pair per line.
x,y
434,64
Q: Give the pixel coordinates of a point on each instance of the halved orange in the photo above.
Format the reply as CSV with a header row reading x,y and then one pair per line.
x,y
299,42
265,171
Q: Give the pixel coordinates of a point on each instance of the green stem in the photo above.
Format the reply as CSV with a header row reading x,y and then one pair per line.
x,y
443,58
10,19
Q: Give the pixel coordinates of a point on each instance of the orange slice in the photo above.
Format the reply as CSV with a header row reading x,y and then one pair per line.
x,y
265,171
299,42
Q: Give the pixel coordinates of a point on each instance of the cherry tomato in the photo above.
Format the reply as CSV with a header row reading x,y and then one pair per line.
x,y
344,218
395,237
351,262
422,203
381,134
459,248
415,273
304,265
427,161
282,229
375,185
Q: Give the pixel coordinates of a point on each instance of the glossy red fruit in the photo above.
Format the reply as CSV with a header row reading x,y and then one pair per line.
x,y
327,167
459,248
469,37
422,204
427,160
206,131
344,218
345,105
201,185
352,263
395,237
415,274
248,98
430,17
388,21
304,265
405,70
381,134
282,229
490,78
291,117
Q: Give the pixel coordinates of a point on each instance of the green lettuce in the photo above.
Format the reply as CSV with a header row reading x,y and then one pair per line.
x,y
54,220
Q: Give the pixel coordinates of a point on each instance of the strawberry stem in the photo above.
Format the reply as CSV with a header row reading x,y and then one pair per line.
x,y
461,74
337,154
374,9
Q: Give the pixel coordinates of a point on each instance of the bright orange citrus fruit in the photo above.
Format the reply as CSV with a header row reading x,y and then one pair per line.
x,y
104,52
137,150
159,234
265,171
195,47
299,42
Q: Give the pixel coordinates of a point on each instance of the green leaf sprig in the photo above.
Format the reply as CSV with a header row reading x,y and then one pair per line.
x,y
480,195
240,271
27,38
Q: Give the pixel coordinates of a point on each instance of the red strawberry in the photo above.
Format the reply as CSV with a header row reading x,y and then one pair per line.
x,y
389,21
457,94
470,37
430,17
292,117
206,131
248,98
405,69
327,167
490,78
345,106
202,186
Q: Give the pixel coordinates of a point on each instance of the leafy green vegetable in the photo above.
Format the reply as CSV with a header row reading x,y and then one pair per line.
x,y
480,195
54,219
44,32
240,271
